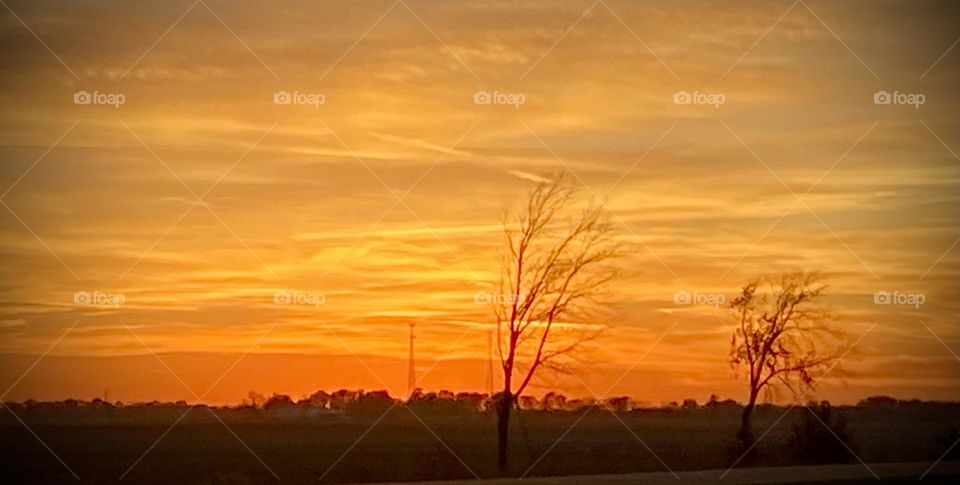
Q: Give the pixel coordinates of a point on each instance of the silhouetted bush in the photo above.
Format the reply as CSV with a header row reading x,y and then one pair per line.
x,y
529,403
371,403
446,402
820,436
620,404
278,401
320,399
554,402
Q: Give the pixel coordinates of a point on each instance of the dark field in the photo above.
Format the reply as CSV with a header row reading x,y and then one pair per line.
x,y
101,446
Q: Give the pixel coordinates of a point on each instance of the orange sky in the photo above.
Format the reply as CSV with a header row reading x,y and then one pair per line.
x,y
386,200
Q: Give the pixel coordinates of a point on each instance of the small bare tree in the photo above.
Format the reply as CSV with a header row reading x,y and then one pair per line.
x,y
551,271
783,338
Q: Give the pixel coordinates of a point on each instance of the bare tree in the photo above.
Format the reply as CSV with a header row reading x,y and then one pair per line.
x,y
783,339
551,271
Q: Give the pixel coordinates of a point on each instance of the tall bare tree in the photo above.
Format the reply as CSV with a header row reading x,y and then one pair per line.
x,y
783,338
557,261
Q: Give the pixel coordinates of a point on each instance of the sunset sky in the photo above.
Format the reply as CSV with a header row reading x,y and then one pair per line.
x,y
199,197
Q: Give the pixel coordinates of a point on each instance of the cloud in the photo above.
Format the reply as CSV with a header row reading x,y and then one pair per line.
x,y
708,206
528,176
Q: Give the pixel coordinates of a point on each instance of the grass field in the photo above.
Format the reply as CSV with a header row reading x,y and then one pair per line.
x,y
945,472
399,447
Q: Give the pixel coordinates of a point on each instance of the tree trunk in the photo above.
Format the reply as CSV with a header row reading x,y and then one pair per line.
x,y
503,430
746,433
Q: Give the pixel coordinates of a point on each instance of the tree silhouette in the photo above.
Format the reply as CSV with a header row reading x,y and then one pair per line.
x,y
550,271
256,399
782,337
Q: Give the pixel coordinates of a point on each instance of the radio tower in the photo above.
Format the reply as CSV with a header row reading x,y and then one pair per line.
x,y
411,372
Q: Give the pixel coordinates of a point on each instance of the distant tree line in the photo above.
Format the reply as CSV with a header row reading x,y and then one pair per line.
x,y
346,401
